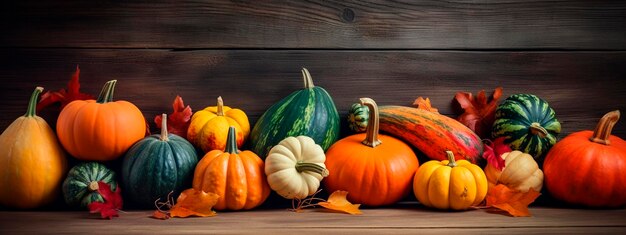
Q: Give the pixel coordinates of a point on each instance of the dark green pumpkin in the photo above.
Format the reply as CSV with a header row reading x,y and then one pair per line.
x,y
358,115
527,123
80,187
310,112
156,166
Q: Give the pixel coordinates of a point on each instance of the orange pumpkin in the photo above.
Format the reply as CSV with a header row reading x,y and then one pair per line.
x,y
32,162
376,171
100,130
236,176
209,127
588,167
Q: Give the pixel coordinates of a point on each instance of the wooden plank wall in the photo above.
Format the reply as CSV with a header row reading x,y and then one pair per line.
x,y
571,53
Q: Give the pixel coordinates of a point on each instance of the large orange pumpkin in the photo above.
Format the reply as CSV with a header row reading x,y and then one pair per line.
x,y
32,162
588,167
100,130
375,169
236,176
209,127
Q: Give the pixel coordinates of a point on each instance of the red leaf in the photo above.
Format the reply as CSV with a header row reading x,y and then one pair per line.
x,y
177,122
493,152
64,96
479,112
112,201
513,202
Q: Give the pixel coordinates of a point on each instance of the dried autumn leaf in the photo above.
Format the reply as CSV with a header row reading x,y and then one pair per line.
x,y
192,202
64,96
112,201
337,201
160,215
479,112
424,104
493,152
513,202
178,121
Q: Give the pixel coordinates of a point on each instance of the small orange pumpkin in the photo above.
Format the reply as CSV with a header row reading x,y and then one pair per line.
x,y
588,167
32,162
100,130
236,176
376,171
209,126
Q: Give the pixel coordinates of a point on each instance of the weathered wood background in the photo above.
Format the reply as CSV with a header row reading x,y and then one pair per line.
x,y
571,53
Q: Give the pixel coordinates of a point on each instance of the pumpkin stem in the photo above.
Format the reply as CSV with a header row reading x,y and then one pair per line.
x,y
603,130
106,95
308,80
164,132
371,138
312,167
93,186
220,106
231,141
452,161
537,129
32,103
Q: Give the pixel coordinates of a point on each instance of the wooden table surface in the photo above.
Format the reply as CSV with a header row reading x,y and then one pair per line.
x,y
410,220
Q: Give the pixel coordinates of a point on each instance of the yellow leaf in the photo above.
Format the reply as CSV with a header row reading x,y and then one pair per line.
x,y
514,202
424,104
337,201
194,202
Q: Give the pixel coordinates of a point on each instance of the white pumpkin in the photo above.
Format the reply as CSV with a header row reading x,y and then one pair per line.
x,y
295,167
520,172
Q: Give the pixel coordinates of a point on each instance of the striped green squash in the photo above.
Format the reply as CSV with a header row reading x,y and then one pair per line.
x,y
358,115
156,166
80,187
309,111
527,123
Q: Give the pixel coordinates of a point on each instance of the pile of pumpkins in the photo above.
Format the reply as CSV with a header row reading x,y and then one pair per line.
x,y
294,148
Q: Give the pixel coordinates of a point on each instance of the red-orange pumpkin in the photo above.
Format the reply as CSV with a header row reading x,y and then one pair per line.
x,y
100,130
376,171
588,167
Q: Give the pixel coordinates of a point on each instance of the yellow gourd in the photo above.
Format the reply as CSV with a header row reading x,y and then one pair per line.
x,y
32,162
450,184
209,126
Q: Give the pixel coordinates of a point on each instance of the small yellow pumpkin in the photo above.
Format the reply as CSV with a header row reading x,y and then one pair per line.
x,y
209,126
32,162
520,172
450,184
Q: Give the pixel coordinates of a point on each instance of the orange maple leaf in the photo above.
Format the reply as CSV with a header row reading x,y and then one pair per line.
x,y
512,201
194,202
424,104
337,201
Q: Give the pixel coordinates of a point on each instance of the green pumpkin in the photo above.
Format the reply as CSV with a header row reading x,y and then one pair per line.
x,y
527,123
80,187
310,112
156,166
358,115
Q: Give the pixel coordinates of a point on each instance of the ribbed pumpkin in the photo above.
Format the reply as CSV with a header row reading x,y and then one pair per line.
x,y
450,184
100,130
80,187
520,172
357,117
374,169
158,165
310,112
236,176
527,123
32,162
295,167
209,126
589,167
